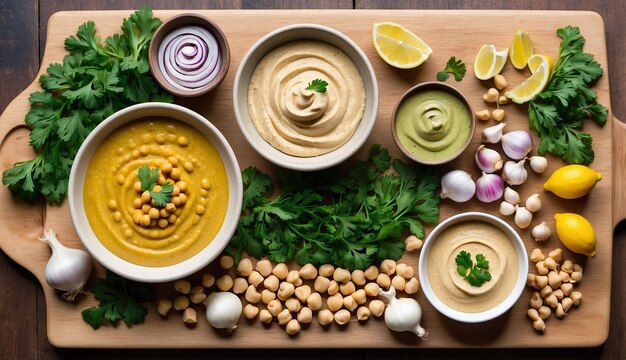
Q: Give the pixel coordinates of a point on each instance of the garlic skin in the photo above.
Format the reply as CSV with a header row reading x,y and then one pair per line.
x,y
514,173
457,185
492,134
538,164
533,203
488,160
541,232
404,314
223,310
489,187
511,196
68,269
523,217
517,144
507,208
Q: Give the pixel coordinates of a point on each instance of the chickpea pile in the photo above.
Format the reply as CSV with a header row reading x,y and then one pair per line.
x,y
493,96
554,282
274,291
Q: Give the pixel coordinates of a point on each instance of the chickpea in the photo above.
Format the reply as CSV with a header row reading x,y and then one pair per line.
x,y
198,298
482,115
267,296
544,312
308,272
556,255
541,268
503,100
333,288
145,220
293,305
498,114
175,174
363,313
567,289
182,141
578,268
550,263
293,327
252,295
326,270
265,316
227,262
341,275
250,311
545,292
176,201
539,325
137,186
182,286
164,306
302,292
271,283
183,198
294,277
205,184
280,271
321,284
342,317
535,301
284,317
358,277
554,280
208,280
188,166
491,95
398,282
576,276
412,242
388,266
541,281
536,256
305,316
349,303
190,316
325,317
533,314
377,307
564,276
181,302
568,266
559,312
264,267
163,213
255,278
145,197
567,303
577,297
244,268
558,293
285,290
500,82
334,302
240,285
275,307
172,219
347,288
551,301
314,301
371,273
360,296
182,185
224,283
372,289
412,286
531,280
405,271
383,280
137,203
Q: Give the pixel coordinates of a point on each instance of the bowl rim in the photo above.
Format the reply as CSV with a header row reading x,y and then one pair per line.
x,y
104,256
426,86
517,289
174,23
313,163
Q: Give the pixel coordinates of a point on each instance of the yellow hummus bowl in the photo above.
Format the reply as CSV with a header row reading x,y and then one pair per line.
x,y
155,192
462,249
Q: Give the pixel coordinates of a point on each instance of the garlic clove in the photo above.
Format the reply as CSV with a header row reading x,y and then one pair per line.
x,y
514,173
538,164
488,160
517,144
489,187
457,185
541,232
533,203
492,134
523,217
403,314
507,208
511,196
223,310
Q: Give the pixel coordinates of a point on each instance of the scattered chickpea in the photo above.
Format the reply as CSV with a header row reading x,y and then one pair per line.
x,y
293,327
182,286
567,303
197,298
280,271
531,280
360,296
252,295
181,302
267,296
305,316
556,254
224,283
372,289
412,243
321,284
503,100
483,115
293,305
550,263
554,280
539,325
536,256
388,266
551,301
541,268
533,314
240,285
271,283
406,272
358,277
559,312
558,293
342,317
567,266
377,307
349,303
205,184
491,96
498,114
371,273
383,280
314,301
308,272
500,82
326,270
284,317
227,262
190,316
545,292
541,280
576,276
412,286
264,267
535,301
325,317
564,276
164,306
293,277
363,313
302,292
275,307
208,280
255,278
567,289
265,316
334,302
544,312
347,288
333,288
341,275
285,290
250,311
188,166
196,290
244,268
577,297
398,282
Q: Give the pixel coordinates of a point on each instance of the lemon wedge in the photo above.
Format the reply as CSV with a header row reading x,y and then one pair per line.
x,y
541,67
521,49
489,62
399,47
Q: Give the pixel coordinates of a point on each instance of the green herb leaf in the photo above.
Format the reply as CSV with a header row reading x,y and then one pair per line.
x,y
317,85
454,67
148,177
476,274
163,196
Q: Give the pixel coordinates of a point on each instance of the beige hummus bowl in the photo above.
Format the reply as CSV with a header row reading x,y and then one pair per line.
x,y
519,278
77,181
286,35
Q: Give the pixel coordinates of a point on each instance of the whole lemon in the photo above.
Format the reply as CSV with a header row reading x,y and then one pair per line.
x,y
576,233
572,181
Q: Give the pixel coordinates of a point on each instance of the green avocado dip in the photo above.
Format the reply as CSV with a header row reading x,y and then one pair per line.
x,y
433,125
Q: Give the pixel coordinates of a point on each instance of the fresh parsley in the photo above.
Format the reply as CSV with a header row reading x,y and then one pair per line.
x,y
317,85
454,67
350,220
119,300
95,80
559,111
475,274
148,177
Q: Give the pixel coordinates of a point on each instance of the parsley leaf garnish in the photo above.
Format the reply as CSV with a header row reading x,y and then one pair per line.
x,y
317,85
95,80
163,196
454,67
476,274
559,111
119,300
148,177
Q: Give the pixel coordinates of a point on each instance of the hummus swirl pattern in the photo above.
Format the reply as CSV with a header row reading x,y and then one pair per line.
x,y
475,237
302,122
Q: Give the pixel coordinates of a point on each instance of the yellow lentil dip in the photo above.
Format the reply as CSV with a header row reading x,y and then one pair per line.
x,y
184,157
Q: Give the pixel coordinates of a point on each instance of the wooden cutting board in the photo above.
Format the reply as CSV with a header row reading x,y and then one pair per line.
x,y
449,33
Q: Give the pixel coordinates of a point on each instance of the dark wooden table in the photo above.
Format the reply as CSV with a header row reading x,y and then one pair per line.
x,y
22,307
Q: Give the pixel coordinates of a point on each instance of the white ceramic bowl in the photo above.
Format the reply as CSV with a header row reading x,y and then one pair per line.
x,y
305,32
77,211
497,310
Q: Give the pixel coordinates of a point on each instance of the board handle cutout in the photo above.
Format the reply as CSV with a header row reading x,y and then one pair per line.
x,y
619,171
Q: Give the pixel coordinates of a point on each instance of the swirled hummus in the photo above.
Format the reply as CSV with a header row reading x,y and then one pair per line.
x,y
185,158
474,237
303,122
433,124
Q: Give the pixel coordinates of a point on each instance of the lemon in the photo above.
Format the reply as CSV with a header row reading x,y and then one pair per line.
x,y
398,46
541,69
576,233
489,62
521,49
572,181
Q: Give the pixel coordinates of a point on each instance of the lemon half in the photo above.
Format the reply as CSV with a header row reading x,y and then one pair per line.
x,y
521,49
399,47
489,62
541,68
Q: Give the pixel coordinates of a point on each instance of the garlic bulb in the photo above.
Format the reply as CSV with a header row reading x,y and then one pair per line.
x,y
492,134
68,269
507,208
488,160
541,232
517,144
514,173
538,164
457,185
223,310
523,217
404,314
511,196
489,187
533,203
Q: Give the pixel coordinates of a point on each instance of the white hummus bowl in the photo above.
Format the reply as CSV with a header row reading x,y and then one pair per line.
x,y
305,32
89,239
500,308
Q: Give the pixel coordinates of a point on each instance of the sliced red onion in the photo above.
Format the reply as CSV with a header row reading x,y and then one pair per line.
x,y
189,57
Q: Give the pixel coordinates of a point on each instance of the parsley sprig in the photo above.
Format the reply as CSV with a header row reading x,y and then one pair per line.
x,y
119,300
95,80
351,220
559,111
476,274
317,85
454,67
148,177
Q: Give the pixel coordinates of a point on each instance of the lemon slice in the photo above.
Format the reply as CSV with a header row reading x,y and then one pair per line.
x,y
399,47
521,49
489,62
541,68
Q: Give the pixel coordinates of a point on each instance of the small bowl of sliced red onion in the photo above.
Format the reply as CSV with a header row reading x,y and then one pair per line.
x,y
189,55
